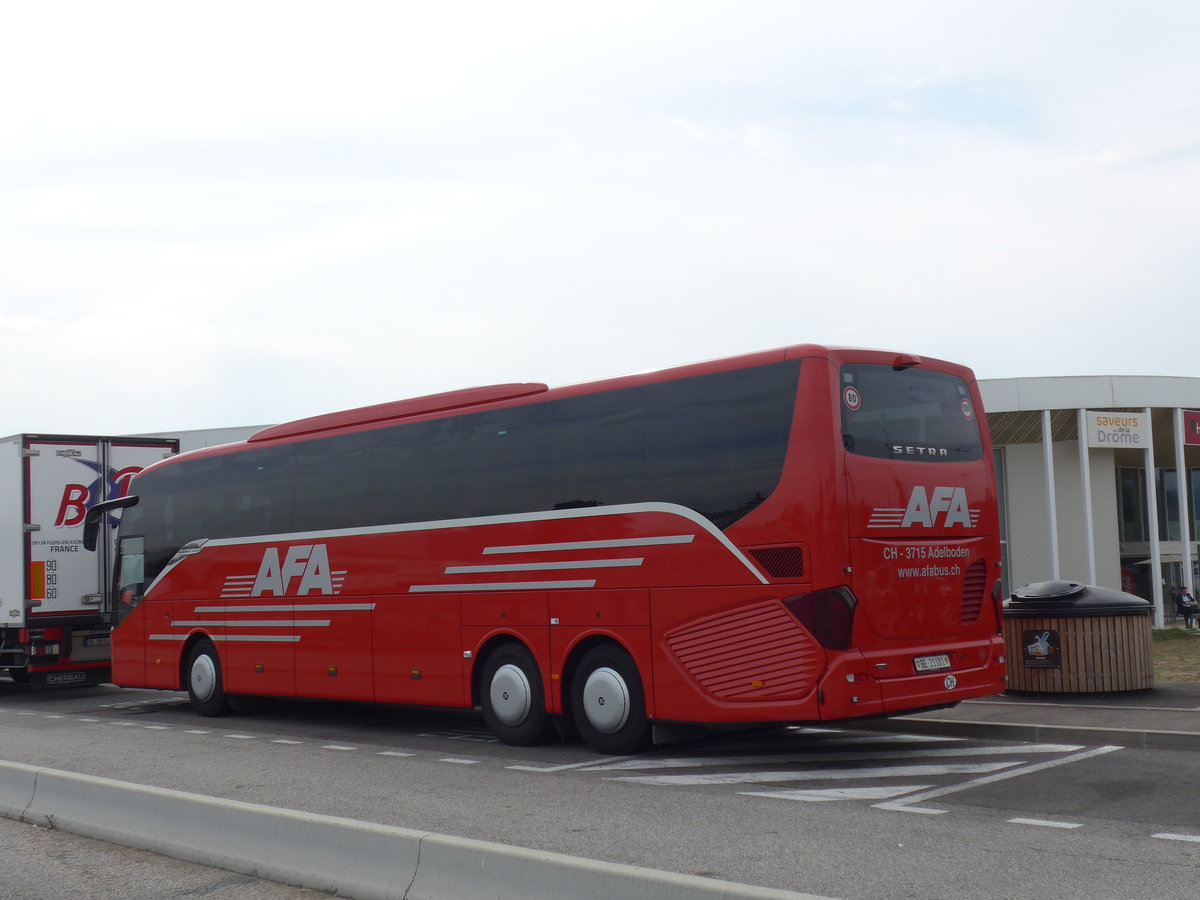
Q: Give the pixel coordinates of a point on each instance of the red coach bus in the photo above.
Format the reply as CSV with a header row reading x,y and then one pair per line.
x,y
797,535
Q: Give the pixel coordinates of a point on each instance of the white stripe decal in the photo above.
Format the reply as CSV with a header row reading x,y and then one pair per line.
x,y
547,566
557,515
501,586
593,545
288,606
246,623
243,638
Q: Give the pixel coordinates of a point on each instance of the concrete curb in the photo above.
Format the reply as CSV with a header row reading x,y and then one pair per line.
x,y
327,853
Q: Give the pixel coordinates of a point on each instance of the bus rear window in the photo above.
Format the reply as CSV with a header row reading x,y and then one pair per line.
x,y
910,415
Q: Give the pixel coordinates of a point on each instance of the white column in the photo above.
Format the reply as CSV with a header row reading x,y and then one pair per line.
x,y
1051,506
1152,511
1085,473
1185,518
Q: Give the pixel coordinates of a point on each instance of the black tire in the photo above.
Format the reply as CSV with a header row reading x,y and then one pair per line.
x,y
513,698
19,676
205,686
608,702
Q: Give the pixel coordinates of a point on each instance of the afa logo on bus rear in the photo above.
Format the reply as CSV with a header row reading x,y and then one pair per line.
x,y
939,507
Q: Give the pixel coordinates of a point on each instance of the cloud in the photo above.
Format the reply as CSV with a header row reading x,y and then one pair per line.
x,y
260,211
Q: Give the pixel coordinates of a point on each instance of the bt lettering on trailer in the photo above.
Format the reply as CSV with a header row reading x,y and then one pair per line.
x,y
77,499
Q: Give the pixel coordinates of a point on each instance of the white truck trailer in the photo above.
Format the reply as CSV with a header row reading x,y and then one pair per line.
x,y
55,599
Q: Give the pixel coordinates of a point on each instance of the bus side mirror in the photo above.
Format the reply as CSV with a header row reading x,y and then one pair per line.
x,y
91,521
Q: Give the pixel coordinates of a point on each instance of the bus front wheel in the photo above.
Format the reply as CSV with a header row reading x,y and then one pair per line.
x,y
204,684
513,700
608,703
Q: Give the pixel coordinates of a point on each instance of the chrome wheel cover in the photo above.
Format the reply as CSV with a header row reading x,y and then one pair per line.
x,y
606,700
203,677
511,694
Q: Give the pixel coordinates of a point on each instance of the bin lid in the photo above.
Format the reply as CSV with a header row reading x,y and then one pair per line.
x,y
1069,599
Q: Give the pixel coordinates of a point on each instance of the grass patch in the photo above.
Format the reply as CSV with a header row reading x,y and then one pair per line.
x,y
1176,654
1167,635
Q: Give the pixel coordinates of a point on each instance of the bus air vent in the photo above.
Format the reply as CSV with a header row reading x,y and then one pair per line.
x,y
780,562
974,586
755,652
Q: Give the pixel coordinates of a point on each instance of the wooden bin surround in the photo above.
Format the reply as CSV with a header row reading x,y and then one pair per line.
x,y
1099,640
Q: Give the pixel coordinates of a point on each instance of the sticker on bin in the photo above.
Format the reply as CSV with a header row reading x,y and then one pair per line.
x,y
931,663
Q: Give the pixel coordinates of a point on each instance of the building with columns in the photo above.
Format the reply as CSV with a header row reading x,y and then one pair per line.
x,y
1116,509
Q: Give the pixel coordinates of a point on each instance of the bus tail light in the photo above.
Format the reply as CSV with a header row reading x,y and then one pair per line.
x,y
828,615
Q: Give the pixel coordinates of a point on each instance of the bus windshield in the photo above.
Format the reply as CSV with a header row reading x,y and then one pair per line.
x,y
909,414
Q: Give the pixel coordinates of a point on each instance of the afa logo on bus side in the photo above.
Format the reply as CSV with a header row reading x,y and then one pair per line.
x,y
308,562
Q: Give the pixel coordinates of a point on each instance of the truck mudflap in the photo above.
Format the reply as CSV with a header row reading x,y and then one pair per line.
x,y
79,676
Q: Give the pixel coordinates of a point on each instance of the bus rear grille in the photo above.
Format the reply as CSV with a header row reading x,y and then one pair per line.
x,y
974,585
780,562
758,652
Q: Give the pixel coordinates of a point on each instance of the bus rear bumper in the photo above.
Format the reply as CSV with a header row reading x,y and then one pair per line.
x,y
901,695
850,687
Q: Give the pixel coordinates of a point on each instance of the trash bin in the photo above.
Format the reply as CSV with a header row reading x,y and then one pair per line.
x,y
1062,636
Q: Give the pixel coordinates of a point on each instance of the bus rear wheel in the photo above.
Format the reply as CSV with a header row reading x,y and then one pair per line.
x,y
204,684
512,696
608,704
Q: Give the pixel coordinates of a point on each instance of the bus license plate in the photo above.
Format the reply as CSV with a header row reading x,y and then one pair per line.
x,y
932,663
97,641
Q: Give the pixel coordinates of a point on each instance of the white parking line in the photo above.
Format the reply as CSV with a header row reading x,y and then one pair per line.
x,y
846,793
460,762
817,774
580,765
1191,838
833,756
1046,823
904,805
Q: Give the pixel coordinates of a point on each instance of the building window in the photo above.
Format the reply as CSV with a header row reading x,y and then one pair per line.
x,y
1131,497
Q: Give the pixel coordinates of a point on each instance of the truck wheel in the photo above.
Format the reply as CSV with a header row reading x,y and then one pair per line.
x,y
204,686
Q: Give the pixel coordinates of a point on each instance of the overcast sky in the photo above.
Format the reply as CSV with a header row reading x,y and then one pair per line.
x,y
242,213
